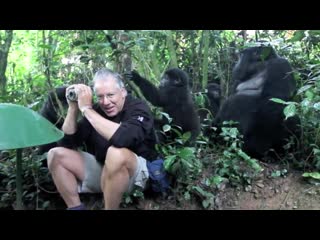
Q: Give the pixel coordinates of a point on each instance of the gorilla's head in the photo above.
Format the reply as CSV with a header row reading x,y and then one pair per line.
x,y
174,77
252,59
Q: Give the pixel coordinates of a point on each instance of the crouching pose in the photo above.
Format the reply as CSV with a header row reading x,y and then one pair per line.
x,y
118,135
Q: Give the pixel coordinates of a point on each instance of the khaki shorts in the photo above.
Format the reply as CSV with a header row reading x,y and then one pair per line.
x,y
93,170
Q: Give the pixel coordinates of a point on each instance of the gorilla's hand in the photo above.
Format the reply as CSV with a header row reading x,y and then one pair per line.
x,y
132,76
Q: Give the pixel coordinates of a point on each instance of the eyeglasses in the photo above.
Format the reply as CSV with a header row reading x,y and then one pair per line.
x,y
110,96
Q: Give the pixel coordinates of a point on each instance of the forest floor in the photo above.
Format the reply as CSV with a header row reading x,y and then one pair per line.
x,y
274,189
288,192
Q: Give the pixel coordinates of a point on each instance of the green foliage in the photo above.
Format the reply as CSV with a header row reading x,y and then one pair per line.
x,y
207,197
290,110
308,109
38,188
133,197
312,177
182,163
315,175
279,173
42,59
234,164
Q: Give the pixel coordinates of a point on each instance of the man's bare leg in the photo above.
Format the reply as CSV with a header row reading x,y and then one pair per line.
x,y
66,166
119,166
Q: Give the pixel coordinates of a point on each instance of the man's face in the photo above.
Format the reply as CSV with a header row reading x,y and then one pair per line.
x,y
110,97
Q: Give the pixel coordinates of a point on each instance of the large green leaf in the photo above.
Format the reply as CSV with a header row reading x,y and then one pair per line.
x,y
22,127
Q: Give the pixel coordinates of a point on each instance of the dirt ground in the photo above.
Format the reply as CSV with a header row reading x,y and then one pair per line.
x,y
289,192
275,189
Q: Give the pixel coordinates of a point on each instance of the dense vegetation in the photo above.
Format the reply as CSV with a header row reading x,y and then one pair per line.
x,y
33,62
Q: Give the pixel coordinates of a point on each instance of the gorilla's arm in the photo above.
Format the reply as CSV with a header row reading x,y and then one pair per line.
x,y
279,80
149,91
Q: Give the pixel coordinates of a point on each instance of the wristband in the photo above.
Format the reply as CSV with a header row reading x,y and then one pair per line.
x,y
85,108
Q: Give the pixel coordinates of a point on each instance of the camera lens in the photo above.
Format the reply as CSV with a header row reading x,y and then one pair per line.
x,y
72,95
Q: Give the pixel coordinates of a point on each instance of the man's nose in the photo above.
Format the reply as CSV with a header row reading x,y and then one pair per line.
x,y
106,100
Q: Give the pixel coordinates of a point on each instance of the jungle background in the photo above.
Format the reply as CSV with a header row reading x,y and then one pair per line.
x,y
210,175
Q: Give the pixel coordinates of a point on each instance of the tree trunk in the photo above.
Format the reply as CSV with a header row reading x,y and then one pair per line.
x,y
4,51
172,50
206,38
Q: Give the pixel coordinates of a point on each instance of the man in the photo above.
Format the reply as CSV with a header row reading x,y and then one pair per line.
x,y
119,135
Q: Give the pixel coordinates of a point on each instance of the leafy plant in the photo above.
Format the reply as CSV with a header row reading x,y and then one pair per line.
x,y
234,164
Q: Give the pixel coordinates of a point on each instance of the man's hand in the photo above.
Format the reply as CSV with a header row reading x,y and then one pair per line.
x,y
84,96
132,76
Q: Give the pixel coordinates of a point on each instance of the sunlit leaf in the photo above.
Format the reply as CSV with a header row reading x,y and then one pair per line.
x,y
278,100
316,106
169,162
186,152
290,111
298,36
304,88
315,175
310,95
166,115
166,128
186,136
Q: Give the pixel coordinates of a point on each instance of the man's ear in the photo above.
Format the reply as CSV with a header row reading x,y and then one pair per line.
x,y
124,92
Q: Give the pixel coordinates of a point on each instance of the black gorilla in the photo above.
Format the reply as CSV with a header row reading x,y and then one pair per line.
x,y
212,103
50,110
174,96
261,72
214,95
259,75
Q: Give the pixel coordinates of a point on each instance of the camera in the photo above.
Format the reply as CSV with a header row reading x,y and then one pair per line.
x,y
72,95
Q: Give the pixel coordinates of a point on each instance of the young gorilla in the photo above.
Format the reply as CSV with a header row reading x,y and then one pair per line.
x,y
50,110
119,135
212,103
260,75
214,95
174,96
211,108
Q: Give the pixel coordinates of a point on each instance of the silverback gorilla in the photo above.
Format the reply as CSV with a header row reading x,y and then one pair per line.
x,y
174,96
259,75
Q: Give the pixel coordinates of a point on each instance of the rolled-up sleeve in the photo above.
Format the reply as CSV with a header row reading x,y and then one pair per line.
x,y
136,125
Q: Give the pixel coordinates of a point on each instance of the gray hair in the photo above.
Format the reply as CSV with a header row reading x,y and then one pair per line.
x,y
105,73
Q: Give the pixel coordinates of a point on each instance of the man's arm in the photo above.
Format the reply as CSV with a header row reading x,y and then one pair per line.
x,y
135,127
70,123
104,127
73,137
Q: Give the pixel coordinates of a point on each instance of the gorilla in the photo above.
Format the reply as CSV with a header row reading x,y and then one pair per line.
x,y
174,96
261,72
50,111
214,95
212,103
259,75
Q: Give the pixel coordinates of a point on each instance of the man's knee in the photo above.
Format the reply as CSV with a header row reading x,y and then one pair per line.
x,y
115,157
55,155
118,159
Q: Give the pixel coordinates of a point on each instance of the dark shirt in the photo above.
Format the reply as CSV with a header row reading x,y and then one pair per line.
x,y
136,132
